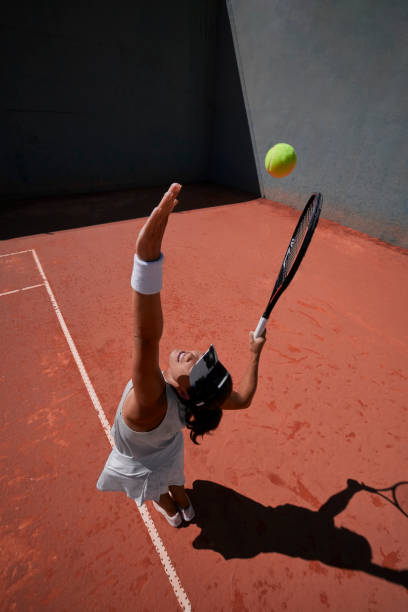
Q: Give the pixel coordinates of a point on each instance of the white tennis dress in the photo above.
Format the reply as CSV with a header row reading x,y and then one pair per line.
x,y
144,464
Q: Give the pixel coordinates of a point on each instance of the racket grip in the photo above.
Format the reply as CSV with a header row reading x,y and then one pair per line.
x,y
260,327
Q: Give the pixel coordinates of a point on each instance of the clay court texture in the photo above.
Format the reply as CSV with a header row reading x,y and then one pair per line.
x,y
331,405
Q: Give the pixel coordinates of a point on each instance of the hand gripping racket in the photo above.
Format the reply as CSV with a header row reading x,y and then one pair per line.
x,y
296,250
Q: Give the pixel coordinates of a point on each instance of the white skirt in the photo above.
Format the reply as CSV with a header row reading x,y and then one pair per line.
x,y
147,478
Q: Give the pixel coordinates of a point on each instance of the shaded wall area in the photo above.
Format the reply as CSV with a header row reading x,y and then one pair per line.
x,y
28,216
98,97
331,79
231,159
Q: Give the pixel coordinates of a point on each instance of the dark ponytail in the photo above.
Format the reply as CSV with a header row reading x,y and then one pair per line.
x,y
203,419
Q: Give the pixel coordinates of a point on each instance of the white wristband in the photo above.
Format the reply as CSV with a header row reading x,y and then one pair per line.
x,y
147,275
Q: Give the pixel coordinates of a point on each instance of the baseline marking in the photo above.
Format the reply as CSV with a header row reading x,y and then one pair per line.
x,y
32,287
174,580
9,292
17,253
22,289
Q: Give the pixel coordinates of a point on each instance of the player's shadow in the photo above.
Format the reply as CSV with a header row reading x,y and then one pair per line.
x,y
238,527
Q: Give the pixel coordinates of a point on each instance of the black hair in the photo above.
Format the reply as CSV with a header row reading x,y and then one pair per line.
x,y
203,419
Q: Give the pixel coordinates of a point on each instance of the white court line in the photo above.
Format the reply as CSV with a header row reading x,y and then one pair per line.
x,y
9,292
32,287
151,528
22,289
17,253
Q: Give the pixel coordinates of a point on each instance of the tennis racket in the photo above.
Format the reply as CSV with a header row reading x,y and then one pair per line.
x,y
398,492
296,251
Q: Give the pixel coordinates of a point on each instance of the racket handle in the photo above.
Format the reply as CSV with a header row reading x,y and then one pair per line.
x,y
260,328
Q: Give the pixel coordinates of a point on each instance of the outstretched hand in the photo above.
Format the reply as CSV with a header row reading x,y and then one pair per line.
x,y
256,344
149,240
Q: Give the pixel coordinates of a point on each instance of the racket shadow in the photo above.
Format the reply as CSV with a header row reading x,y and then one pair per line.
x,y
236,526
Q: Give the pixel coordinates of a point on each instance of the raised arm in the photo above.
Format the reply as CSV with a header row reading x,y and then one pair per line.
x,y
147,404
242,397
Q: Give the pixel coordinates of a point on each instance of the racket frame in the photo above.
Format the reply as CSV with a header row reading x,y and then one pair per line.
x,y
392,489
280,286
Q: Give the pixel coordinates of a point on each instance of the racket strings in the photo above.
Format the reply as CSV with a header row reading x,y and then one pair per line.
x,y
295,252
296,242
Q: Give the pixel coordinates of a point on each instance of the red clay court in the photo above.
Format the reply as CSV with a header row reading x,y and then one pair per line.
x,y
331,405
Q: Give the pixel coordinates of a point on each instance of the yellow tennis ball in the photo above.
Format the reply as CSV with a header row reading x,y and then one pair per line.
x,y
280,160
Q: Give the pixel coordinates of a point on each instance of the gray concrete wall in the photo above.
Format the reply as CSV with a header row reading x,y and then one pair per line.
x,y
330,78
104,95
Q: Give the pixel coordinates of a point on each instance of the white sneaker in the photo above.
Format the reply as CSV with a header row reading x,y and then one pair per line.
x,y
174,520
188,513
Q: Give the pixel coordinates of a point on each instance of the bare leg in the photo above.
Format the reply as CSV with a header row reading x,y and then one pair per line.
x,y
167,504
179,495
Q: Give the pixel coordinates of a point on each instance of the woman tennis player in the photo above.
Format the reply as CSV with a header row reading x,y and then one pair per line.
x,y
147,461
